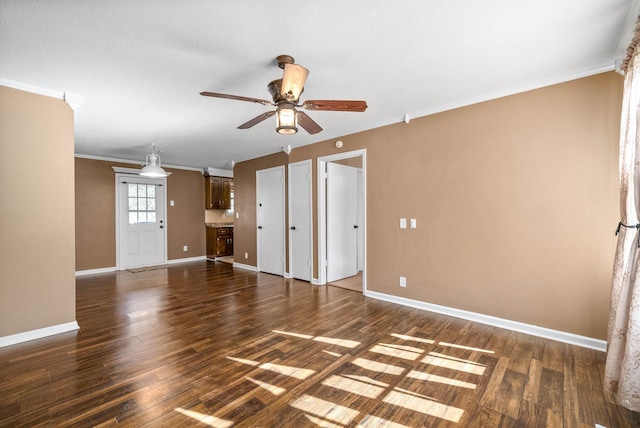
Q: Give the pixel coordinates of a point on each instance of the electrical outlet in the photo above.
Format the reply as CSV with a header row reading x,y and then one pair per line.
x,y
185,248
246,255
237,215
403,281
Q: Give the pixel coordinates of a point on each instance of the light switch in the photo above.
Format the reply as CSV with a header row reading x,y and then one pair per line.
x,y
237,215
412,223
171,203
403,223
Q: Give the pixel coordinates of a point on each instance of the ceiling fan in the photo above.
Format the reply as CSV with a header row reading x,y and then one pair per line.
x,y
286,94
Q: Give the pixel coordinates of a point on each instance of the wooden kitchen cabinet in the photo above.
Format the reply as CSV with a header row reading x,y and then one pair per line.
x,y
217,193
219,241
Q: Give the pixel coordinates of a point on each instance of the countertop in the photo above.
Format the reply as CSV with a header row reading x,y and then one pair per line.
x,y
219,224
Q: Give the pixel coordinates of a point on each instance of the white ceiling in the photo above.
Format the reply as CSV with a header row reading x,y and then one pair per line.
x,y
141,64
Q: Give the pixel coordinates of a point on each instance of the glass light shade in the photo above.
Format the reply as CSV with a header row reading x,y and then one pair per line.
x,y
287,119
153,169
293,81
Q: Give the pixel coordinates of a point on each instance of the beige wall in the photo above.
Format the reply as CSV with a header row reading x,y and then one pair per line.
x,y
37,279
516,200
95,214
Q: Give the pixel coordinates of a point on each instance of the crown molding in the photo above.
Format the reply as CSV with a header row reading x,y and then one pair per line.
x,y
74,100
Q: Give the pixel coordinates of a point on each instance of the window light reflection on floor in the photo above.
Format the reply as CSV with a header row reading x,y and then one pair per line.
x,y
422,404
413,338
296,372
275,390
330,414
209,420
347,343
441,360
428,377
354,386
325,409
397,351
376,422
468,348
376,366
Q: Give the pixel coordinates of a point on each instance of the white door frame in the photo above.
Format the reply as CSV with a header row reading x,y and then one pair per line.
x,y
290,202
322,211
123,174
284,240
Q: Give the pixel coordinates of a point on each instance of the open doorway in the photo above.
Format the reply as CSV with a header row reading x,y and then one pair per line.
x,y
342,220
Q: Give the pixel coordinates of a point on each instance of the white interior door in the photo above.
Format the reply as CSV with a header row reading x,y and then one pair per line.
x,y
270,218
342,221
300,220
360,215
141,222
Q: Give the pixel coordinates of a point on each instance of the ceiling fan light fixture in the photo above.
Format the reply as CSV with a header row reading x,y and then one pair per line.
x,y
293,81
287,119
152,169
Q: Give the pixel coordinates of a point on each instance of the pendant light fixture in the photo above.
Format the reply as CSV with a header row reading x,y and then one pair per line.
x,y
287,119
152,166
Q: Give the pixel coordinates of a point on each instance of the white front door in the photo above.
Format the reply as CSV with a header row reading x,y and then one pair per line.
x,y
141,221
270,219
300,220
342,221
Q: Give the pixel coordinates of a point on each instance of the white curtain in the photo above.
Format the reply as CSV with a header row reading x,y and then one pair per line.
x,y
622,371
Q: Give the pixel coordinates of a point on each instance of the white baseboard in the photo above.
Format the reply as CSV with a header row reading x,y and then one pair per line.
x,y
315,281
93,271
114,269
534,330
186,259
38,333
247,267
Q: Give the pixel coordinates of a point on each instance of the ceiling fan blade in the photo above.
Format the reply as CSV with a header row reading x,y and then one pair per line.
x,y
237,97
335,105
307,123
256,120
293,81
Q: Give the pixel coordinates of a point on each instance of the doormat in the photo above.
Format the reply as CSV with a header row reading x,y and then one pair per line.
x,y
147,268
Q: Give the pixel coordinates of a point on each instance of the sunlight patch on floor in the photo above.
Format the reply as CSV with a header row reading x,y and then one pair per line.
x,y
275,390
329,414
468,348
446,361
298,335
376,422
347,343
209,420
243,361
322,423
413,338
338,342
414,374
367,380
325,409
297,372
353,386
422,404
397,351
290,371
378,367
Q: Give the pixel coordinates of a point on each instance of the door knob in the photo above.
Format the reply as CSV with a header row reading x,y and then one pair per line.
x,y
293,228
259,227
355,226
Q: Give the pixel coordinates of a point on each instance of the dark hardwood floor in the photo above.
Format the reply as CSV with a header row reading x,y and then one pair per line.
x,y
204,344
